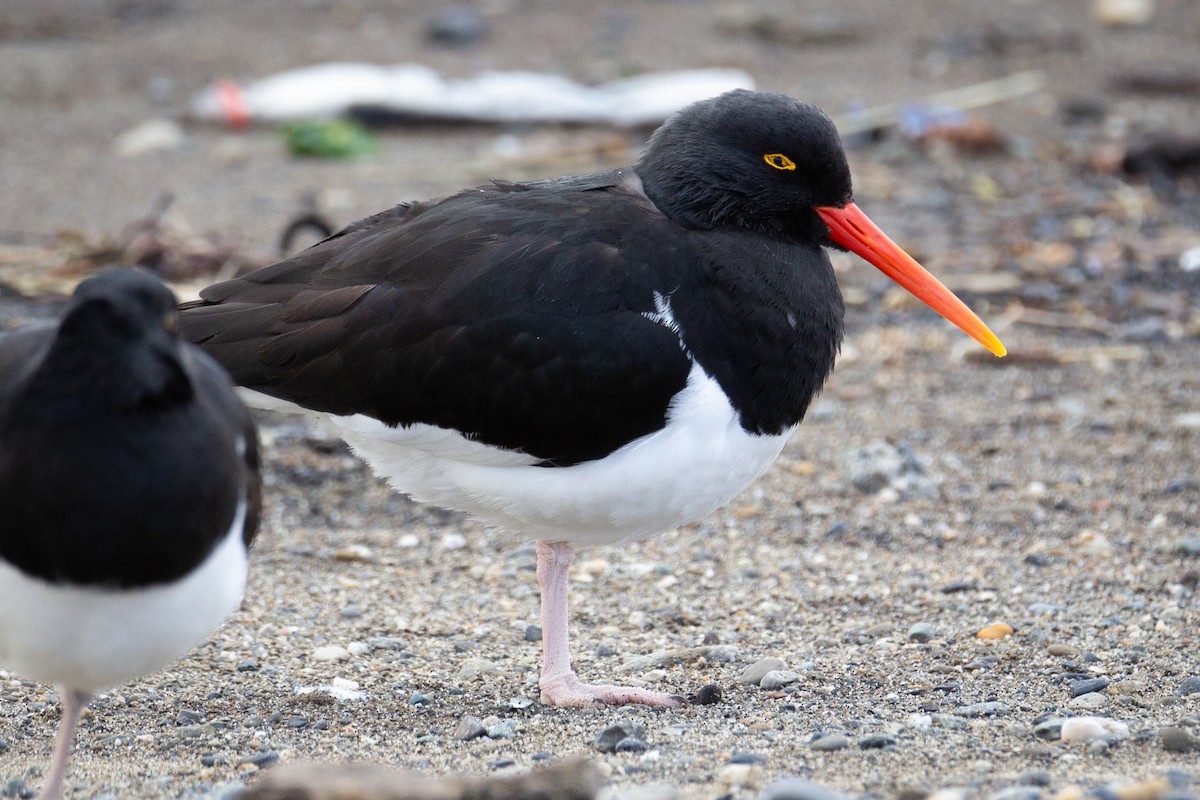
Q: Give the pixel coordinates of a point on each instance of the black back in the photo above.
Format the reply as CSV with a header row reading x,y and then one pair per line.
x,y
120,462
530,316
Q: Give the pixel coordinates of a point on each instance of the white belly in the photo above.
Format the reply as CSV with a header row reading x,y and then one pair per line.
x,y
91,639
696,463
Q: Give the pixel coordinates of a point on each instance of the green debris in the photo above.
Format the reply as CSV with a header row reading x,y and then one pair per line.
x,y
337,138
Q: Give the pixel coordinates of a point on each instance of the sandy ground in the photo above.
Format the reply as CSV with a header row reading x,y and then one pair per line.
x,y
1056,493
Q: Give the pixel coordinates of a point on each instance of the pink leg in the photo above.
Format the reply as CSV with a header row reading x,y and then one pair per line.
x,y
559,684
73,705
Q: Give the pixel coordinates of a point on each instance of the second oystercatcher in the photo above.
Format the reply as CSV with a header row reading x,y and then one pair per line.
x,y
129,493
585,360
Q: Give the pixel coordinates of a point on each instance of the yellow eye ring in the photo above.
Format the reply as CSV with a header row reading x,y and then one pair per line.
x,y
779,161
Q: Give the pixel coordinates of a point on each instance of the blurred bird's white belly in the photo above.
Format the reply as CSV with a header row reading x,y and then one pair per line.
x,y
91,638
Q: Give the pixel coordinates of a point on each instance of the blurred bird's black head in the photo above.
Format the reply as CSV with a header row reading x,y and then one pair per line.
x,y
757,161
117,340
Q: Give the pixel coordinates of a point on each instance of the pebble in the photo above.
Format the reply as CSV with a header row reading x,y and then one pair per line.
x,y
332,652
754,673
1084,729
799,789
708,695
735,775
1178,740
456,25
686,655
1152,789
1060,649
533,633
1035,777
997,630
473,667
877,741
606,741
778,678
743,757
469,728
505,729
1189,686
1050,729
1088,685
650,791
1092,701
921,632
1017,793
631,744
989,709
830,742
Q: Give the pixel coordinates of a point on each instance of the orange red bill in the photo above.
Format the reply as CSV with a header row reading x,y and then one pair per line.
x,y
853,230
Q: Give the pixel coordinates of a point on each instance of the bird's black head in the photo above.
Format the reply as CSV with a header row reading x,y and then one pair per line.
x,y
117,339
752,160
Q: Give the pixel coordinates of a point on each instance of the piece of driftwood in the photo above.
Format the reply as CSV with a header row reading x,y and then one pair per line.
x,y
571,779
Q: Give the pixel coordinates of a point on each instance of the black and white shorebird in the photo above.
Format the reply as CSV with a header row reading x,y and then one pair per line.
x,y
585,360
129,494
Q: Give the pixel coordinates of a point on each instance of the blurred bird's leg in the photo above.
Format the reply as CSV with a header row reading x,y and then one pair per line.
x,y
559,684
73,705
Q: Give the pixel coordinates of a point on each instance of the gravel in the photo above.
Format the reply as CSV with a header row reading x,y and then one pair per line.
x,y
1052,492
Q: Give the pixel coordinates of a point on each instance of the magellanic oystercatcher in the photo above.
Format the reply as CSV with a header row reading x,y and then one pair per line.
x,y
129,493
586,360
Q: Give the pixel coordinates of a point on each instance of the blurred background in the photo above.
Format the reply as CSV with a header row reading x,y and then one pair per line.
x,y
98,129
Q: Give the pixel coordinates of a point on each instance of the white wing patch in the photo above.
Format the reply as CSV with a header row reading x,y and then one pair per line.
x,y
663,316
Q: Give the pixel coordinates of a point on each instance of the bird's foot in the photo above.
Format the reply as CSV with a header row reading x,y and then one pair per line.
x,y
566,690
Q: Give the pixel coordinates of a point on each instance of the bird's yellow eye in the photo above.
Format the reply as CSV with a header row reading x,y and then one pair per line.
x,y
779,161
170,321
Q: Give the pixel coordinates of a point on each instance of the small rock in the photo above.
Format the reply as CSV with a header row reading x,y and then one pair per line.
x,y
1084,729
154,134
1188,546
685,655
1035,777
877,741
505,729
631,744
799,789
1178,740
332,652
359,649
1088,685
457,25
1017,793
997,630
778,678
989,709
354,552
533,633
921,632
754,673
1189,686
1152,789
469,728
830,742
474,667
606,741
1060,649
742,757
734,775
708,695
1050,729
1092,701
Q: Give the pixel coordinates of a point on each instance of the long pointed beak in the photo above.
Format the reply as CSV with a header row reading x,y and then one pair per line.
x,y
853,230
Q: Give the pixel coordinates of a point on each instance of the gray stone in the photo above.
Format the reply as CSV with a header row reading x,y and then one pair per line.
x,y
799,789
830,742
606,741
1017,793
505,729
1189,686
631,744
754,673
921,632
469,728
1178,740
686,655
1050,729
778,678
1088,685
991,709
877,741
